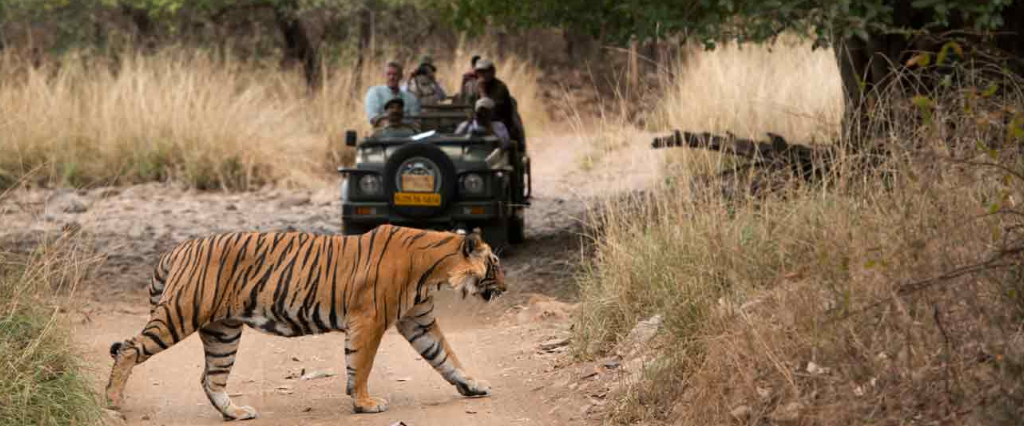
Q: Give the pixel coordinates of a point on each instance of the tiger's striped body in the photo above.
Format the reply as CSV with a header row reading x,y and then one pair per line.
x,y
294,284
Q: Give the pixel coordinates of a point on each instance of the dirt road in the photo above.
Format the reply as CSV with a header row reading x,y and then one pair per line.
x,y
498,342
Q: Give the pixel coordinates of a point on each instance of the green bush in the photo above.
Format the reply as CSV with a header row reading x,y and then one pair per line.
x,y
41,381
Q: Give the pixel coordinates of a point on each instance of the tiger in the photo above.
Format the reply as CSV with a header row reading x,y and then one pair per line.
x,y
293,284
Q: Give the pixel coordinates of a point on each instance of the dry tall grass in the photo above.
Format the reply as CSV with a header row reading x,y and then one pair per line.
x,y
786,88
826,304
181,115
42,382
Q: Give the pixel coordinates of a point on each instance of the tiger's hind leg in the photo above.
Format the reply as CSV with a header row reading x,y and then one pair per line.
x,y
420,329
220,344
157,336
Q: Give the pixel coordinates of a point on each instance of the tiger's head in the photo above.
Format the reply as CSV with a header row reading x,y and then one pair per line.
x,y
480,273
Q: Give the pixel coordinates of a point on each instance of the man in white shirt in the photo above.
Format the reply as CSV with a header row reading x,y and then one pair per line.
x,y
378,96
483,123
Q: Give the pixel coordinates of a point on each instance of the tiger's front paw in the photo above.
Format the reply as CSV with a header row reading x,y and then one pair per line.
x,y
473,387
240,413
370,405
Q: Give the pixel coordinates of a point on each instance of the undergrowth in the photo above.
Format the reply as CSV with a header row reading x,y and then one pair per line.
x,y
42,381
872,297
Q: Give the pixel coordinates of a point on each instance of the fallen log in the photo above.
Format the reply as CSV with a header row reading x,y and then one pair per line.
x,y
809,162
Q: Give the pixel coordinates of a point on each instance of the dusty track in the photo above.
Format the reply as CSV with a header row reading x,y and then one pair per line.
x,y
497,342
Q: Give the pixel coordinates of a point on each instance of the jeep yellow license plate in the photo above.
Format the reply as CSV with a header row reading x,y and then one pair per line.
x,y
417,199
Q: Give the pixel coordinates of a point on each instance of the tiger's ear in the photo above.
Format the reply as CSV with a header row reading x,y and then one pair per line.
x,y
471,243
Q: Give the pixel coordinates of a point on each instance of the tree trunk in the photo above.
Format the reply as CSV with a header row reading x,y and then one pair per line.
x,y
144,27
299,44
633,70
365,37
570,45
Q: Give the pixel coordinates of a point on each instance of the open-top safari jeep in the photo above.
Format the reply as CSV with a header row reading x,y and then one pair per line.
x,y
438,180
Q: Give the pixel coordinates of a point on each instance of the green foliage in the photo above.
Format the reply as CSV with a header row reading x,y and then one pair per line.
x,y
713,21
170,7
41,382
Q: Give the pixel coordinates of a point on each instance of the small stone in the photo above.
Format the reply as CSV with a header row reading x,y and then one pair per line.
x,y
307,409
638,337
293,201
231,207
318,374
470,412
403,379
145,417
741,413
816,369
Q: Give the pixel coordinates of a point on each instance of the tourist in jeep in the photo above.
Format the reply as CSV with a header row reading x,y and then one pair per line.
x,y
489,86
394,122
468,85
378,96
483,123
424,85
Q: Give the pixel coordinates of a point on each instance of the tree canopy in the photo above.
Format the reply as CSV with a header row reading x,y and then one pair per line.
x,y
712,21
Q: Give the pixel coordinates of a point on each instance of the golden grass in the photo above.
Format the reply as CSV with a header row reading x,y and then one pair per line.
x,y
181,115
754,290
786,88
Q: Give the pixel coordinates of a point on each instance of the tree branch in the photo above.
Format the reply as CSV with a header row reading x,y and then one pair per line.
x,y
917,286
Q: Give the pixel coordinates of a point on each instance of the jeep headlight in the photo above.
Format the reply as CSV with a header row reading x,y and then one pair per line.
x,y
369,184
473,183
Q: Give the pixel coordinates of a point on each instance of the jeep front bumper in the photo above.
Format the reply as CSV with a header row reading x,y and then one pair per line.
x,y
366,212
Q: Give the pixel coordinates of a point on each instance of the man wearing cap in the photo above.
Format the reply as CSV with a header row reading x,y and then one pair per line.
x,y
394,123
483,123
378,96
489,86
423,83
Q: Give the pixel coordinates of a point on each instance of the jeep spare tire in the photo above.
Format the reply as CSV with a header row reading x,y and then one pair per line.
x,y
419,180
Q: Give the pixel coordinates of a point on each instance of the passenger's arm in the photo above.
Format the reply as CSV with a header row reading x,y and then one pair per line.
x,y
371,106
502,132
